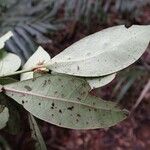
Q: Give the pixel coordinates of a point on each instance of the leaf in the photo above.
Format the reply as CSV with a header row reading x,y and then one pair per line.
x,y
4,144
40,56
4,38
2,53
7,80
4,116
64,101
9,64
104,52
13,124
36,134
100,81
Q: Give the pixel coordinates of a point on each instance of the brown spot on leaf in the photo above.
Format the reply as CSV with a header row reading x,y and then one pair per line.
x,y
128,25
45,82
79,98
53,104
78,115
49,81
70,108
60,111
55,92
28,88
59,79
95,110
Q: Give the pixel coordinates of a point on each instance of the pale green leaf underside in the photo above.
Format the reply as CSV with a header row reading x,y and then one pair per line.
x,y
4,116
9,64
4,38
104,52
64,101
100,81
40,56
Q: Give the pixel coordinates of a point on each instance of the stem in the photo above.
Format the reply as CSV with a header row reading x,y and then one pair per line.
x,y
142,95
23,71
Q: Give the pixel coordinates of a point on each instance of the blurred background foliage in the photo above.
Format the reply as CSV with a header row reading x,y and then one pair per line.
x,y
32,21
55,24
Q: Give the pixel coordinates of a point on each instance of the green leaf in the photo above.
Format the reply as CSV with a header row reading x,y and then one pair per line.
x,y
64,101
4,144
4,38
40,56
104,52
7,80
13,124
36,134
2,53
4,116
9,64
100,81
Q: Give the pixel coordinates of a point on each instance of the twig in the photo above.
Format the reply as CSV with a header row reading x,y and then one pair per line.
x,y
23,71
145,90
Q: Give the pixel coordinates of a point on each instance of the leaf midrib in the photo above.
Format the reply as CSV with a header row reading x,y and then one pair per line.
x,y
6,89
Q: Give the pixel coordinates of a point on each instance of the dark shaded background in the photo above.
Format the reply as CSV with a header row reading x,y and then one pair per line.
x,y
55,25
